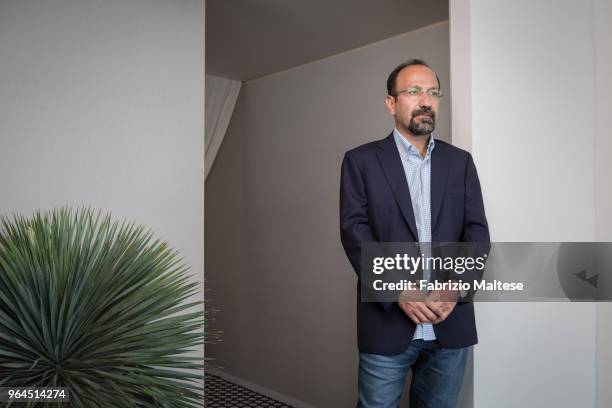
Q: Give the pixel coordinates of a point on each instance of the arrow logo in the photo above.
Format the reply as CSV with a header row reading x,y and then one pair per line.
x,y
582,275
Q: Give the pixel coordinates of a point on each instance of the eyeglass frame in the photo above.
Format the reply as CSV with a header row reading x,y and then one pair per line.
x,y
421,91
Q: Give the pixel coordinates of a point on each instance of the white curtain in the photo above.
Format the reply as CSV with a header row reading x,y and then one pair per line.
x,y
221,97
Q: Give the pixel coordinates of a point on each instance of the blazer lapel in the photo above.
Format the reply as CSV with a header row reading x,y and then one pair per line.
x,y
439,174
390,161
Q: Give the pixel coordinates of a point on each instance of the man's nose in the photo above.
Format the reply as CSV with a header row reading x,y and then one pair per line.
x,y
425,99
425,107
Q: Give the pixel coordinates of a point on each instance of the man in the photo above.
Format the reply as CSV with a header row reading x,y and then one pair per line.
x,y
411,187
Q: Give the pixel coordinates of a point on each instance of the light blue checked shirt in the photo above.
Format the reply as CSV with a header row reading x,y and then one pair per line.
x,y
418,176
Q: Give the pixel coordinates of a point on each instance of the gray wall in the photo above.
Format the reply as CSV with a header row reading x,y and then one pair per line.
x,y
101,104
275,267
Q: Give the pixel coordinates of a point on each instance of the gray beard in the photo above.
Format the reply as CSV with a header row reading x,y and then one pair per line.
x,y
425,127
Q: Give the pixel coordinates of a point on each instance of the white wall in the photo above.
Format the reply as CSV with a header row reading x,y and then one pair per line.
x,y
101,104
275,265
532,133
603,170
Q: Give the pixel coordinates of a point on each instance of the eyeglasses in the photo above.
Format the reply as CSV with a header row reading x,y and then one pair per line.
x,y
416,91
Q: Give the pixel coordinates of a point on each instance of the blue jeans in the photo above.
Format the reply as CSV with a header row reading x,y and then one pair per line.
x,y
437,375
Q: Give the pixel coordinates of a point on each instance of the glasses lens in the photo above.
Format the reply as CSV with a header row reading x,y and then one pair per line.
x,y
414,91
436,93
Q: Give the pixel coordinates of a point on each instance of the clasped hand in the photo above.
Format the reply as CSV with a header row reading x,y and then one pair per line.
x,y
428,308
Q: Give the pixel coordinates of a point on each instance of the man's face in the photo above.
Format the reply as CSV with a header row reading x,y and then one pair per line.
x,y
414,114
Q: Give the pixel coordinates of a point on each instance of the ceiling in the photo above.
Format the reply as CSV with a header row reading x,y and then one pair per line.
x,y
248,39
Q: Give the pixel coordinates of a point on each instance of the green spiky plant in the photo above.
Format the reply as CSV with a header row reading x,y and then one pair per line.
x,y
100,308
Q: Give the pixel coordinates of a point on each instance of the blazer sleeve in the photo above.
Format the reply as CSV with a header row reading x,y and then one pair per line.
x,y
475,226
354,222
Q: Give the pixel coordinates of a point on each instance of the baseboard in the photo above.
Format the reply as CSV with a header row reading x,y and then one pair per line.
x,y
259,389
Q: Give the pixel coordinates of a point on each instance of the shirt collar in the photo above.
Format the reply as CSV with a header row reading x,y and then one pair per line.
x,y
408,148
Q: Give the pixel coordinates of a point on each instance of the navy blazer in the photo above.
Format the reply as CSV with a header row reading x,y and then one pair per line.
x,y
375,206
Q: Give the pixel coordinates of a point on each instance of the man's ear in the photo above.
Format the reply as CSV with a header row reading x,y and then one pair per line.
x,y
390,102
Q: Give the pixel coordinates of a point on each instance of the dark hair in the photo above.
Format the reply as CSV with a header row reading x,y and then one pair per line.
x,y
392,80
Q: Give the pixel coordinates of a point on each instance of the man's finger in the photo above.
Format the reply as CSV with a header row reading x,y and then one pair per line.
x,y
408,312
413,318
421,316
435,308
441,318
426,310
446,309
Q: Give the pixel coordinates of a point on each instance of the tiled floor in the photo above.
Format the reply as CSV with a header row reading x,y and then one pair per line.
x,y
224,394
